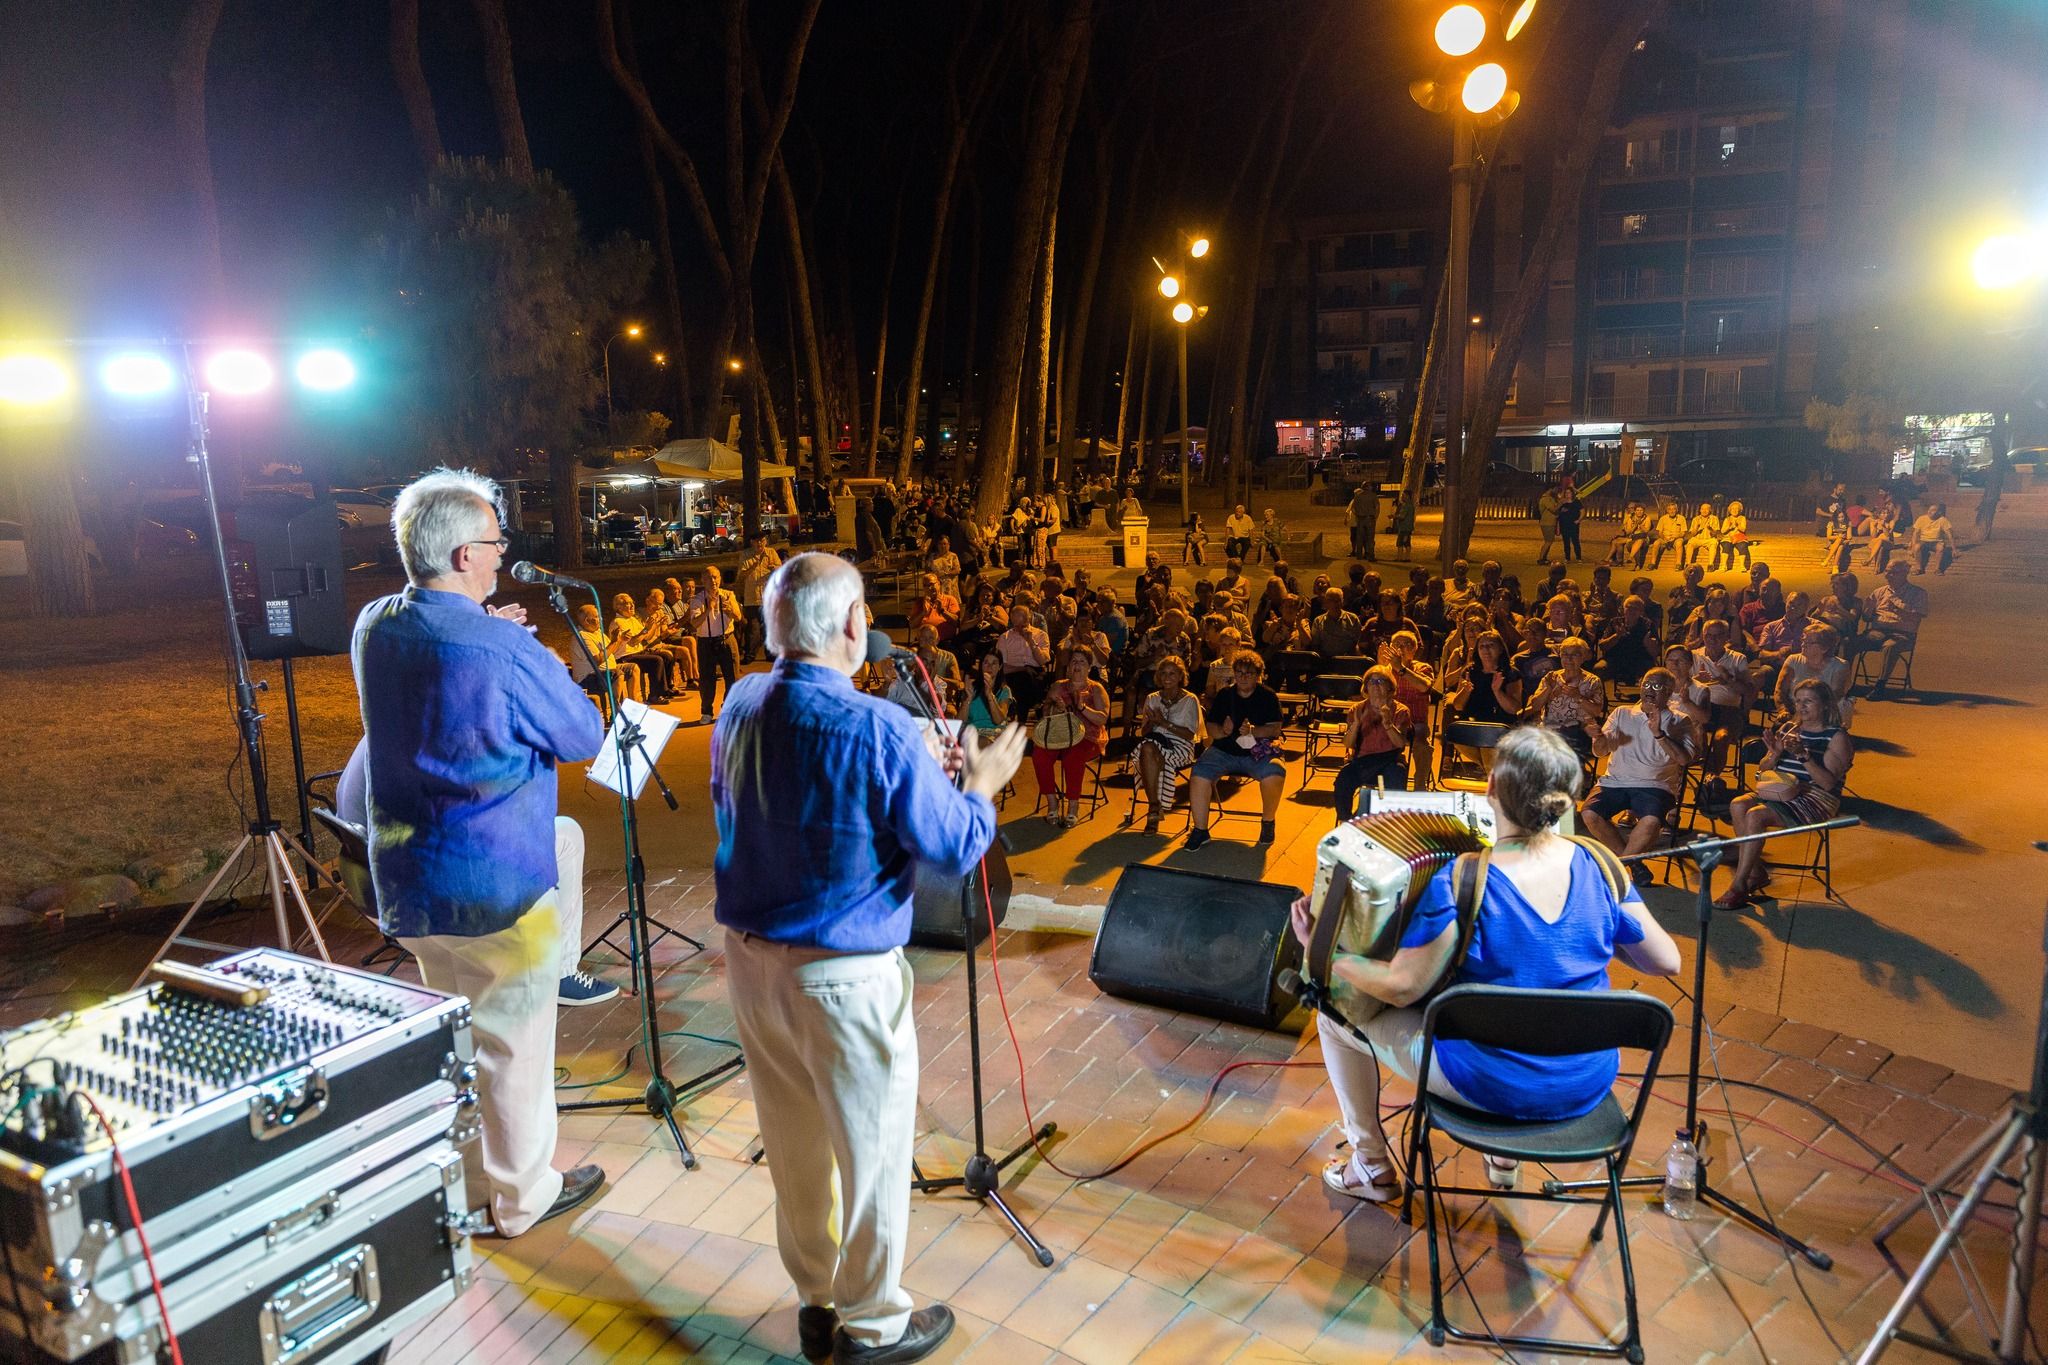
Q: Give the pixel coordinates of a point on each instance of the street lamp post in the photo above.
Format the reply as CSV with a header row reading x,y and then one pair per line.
x,y
1194,246
1458,287
631,329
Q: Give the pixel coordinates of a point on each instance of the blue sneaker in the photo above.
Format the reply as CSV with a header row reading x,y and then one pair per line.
x,y
581,988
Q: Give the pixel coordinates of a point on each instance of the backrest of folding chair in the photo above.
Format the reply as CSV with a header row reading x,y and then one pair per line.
x,y
1549,1023
1353,664
354,867
1475,734
1336,686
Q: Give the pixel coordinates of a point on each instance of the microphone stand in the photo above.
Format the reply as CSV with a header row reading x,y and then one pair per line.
x,y
1707,854
662,1096
981,1177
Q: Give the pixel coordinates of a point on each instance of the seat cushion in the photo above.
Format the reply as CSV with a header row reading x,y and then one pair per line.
x,y
1589,1137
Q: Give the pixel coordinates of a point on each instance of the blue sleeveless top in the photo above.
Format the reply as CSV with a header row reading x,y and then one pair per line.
x,y
1513,946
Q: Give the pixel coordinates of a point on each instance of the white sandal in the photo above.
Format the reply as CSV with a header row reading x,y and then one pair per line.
x,y
1501,1173
1381,1182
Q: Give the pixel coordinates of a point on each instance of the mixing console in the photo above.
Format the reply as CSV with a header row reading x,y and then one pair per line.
x,y
151,1055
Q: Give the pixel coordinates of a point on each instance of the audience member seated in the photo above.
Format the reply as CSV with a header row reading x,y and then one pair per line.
x,y
1806,759
1486,687
1434,614
1767,606
1632,541
1647,744
944,670
1652,609
988,699
1473,622
1027,655
1817,659
1168,726
1933,534
1073,723
628,683
942,563
1846,610
1721,684
1629,648
1459,589
665,628
1376,642
935,607
1559,619
631,640
1244,727
1549,918
1335,632
1734,537
1669,538
1897,608
1602,605
1570,700
1682,601
1415,688
1220,672
1535,659
1109,620
1780,640
1703,536
1375,741
1719,606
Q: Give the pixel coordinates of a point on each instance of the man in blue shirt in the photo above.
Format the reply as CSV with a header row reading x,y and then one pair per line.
x,y
827,799
465,715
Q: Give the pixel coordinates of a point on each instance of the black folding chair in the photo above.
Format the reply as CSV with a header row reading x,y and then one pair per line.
x,y
352,870
1465,734
1549,1024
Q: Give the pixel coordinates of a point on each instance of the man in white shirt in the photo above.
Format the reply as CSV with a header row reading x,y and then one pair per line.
x,y
1721,683
1897,608
1026,654
1932,531
1237,531
761,561
1647,745
714,615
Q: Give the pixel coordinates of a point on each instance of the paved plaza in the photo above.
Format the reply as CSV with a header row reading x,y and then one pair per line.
x,y
1890,1023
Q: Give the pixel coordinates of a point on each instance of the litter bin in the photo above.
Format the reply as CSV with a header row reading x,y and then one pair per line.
x,y
1134,531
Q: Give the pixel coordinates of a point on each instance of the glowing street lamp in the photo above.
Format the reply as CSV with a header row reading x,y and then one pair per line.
x,y
1198,248
1183,312
1459,30
238,373
1485,88
2009,260
733,364
1169,286
633,330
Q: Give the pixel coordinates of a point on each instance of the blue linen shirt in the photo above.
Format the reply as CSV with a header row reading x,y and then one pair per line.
x,y
1514,946
465,715
826,802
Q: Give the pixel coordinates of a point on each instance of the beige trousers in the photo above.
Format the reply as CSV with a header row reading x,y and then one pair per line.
x,y
511,978
832,1053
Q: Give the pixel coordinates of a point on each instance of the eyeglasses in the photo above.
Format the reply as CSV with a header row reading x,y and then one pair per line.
x,y
501,543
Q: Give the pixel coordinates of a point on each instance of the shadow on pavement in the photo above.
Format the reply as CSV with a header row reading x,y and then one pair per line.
x,y
1890,748
1969,701
1914,824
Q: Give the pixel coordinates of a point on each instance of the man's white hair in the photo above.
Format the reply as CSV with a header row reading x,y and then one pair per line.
x,y
437,514
806,602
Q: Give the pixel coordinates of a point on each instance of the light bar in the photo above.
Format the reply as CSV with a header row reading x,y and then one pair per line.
x,y
238,372
137,374
31,380
326,370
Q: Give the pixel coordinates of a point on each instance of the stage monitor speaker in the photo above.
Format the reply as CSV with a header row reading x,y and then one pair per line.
x,y
284,564
1203,944
935,919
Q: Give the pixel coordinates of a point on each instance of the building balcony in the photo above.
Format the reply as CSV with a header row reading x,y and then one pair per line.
x,y
1641,225
1637,343
1711,343
1747,403
1735,277
1629,408
1741,220
1714,158
1616,167
1642,286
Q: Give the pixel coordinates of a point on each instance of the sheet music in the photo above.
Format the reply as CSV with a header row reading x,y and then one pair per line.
x,y
655,729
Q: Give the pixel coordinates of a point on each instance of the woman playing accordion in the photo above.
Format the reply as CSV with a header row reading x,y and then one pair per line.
x,y
1550,914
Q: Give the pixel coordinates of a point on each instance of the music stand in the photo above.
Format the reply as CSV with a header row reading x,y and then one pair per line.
x,y
1706,855
981,1177
626,742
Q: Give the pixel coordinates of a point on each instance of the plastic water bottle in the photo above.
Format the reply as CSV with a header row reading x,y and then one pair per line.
x,y
1681,1178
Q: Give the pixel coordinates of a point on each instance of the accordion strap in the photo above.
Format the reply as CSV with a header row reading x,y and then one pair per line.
x,y
1468,885
1322,940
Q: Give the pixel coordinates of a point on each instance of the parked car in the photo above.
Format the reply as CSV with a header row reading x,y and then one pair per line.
x,y
1504,480
370,509
1731,476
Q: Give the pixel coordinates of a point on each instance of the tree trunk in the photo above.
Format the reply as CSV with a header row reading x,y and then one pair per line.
x,y
850,366
1065,65
1256,411
665,255
59,573
882,341
806,324
1123,390
1560,224
1422,427
970,373
1080,316
1039,362
567,511
412,82
188,115
490,17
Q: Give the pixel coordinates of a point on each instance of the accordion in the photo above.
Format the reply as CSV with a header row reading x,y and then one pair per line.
x,y
1369,874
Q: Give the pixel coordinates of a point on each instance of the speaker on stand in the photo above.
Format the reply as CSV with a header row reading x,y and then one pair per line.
x,y
935,920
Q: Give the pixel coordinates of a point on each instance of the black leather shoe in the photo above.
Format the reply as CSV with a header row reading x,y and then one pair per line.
x,y
814,1328
579,1183
926,1332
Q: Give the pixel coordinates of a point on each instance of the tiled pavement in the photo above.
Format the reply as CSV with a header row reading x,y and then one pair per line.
x,y
1217,1245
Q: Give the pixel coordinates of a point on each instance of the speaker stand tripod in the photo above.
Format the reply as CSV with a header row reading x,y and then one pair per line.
x,y
263,831
2023,1131
982,1176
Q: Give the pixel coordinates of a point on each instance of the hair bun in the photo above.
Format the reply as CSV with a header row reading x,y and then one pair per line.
x,y
1553,805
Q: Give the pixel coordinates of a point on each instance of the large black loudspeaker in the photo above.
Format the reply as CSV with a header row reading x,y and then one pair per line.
x,y
284,563
935,920
1206,945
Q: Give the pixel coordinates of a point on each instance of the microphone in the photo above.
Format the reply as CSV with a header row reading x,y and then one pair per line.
x,y
526,571
880,646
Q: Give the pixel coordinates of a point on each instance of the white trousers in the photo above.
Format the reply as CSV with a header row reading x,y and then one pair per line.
x,y
832,1054
512,978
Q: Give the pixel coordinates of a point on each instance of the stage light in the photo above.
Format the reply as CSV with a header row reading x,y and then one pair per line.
x,y
1460,29
1183,311
1485,87
1169,286
29,380
137,374
238,372
326,370
1198,248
